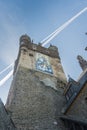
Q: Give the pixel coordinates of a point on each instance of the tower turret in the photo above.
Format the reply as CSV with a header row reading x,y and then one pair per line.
x,y
24,39
82,62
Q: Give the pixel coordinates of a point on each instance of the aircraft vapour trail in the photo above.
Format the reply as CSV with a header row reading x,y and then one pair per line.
x,y
49,36
6,78
11,65
58,30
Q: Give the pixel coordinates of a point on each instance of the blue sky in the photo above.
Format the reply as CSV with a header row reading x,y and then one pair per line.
x,y
39,18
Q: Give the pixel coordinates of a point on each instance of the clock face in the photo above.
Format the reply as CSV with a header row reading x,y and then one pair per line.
x,y
43,64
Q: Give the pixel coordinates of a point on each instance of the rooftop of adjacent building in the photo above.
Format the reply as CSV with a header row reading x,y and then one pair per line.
x,y
73,88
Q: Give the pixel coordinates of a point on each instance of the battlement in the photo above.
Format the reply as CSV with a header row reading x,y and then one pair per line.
x,y
51,51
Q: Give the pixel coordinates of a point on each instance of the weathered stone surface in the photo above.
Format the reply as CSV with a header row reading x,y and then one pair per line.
x,y
49,83
5,121
32,105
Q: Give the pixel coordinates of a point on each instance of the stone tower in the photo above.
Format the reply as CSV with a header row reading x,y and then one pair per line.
x,y
36,97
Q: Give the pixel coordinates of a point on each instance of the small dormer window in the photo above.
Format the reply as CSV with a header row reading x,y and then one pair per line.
x,y
69,93
67,97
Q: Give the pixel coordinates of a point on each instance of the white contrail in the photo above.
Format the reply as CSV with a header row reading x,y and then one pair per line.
x,y
52,34
55,33
49,36
11,65
6,78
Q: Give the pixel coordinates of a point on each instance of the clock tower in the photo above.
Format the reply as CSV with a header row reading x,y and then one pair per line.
x,y
36,95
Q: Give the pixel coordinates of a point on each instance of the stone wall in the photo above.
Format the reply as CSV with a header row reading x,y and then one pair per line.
x,y
5,121
33,104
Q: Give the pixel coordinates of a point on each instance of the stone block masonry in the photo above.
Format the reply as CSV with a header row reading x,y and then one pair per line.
x,y
6,122
32,105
